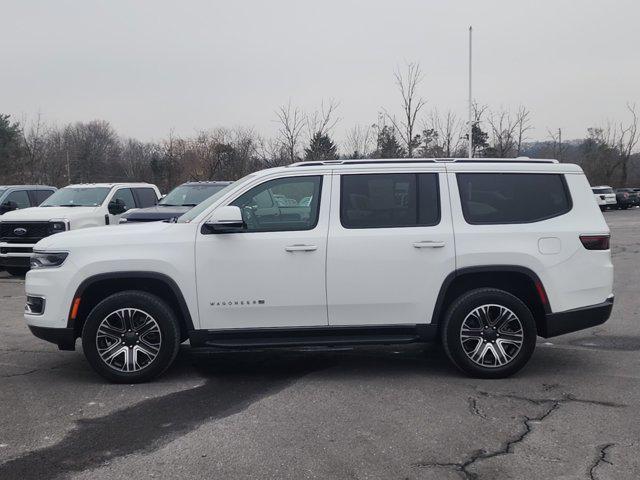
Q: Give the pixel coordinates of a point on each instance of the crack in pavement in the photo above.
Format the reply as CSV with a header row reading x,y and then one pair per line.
x,y
600,459
149,425
550,404
29,372
474,409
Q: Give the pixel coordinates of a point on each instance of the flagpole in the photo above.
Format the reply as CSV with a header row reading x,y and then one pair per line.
x,y
470,98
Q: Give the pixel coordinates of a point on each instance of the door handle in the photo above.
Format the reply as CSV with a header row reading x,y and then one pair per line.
x,y
300,248
428,244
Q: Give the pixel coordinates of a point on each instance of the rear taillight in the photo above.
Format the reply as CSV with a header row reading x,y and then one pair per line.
x,y
595,242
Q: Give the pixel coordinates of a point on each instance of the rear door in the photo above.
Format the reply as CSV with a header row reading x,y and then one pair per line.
x,y
390,245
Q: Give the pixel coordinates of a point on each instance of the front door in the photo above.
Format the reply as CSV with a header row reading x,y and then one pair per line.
x,y
390,246
271,274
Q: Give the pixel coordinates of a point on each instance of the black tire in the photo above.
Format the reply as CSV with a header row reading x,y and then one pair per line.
x,y
462,307
17,271
154,307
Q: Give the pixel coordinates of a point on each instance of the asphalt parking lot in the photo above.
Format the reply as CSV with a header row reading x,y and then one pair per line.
x,y
374,413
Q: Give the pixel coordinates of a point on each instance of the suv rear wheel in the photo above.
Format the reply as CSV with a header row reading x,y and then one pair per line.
x,y
489,333
131,337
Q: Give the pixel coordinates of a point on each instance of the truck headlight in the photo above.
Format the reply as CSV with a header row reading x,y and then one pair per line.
x,y
47,259
57,226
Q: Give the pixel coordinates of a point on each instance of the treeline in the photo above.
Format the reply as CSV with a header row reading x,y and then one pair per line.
x,y
35,152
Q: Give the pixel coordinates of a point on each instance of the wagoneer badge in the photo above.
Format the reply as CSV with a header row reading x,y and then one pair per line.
x,y
20,232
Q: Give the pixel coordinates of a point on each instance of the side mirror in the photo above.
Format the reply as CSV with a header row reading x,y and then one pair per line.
x,y
117,207
8,206
224,220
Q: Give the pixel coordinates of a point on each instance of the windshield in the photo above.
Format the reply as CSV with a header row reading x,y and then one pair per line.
x,y
77,197
2,191
194,212
189,195
602,190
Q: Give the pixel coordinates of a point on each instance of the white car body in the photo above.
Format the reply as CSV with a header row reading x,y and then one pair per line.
x,y
605,196
335,277
75,218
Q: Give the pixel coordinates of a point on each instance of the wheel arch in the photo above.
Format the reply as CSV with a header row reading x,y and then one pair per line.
x,y
520,281
97,287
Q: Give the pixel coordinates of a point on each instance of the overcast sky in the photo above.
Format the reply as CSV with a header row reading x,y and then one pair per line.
x,y
152,66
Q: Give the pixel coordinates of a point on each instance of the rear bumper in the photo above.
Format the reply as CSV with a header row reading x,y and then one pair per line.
x,y
559,323
63,337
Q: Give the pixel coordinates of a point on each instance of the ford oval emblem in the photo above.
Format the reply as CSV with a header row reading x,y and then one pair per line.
x,y
20,232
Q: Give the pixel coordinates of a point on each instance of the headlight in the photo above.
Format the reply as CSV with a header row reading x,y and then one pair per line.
x,y
57,226
47,260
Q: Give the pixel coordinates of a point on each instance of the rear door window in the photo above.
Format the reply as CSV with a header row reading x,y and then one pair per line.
x,y
389,200
146,197
499,198
39,196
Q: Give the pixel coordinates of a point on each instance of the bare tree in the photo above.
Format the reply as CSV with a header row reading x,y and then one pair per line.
x,y
407,84
34,139
359,142
322,121
443,135
626,141
291,124
523,127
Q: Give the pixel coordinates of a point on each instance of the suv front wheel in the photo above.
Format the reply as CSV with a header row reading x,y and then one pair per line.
x,y
489,333
131,337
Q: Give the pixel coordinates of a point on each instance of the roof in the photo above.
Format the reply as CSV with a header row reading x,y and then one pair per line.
x,y
421,160
4,187
209,182
110,185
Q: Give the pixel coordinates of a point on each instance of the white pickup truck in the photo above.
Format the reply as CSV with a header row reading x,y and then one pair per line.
x,y
70,208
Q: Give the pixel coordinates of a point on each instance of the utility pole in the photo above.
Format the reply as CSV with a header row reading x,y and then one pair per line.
x,y
470,97
559,144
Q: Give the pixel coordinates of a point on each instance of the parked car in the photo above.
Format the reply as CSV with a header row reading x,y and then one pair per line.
x,y
70,208
15,197
625,198
480,255
605,196
179,201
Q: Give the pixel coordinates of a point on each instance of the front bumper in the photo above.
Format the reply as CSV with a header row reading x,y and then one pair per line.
x,y
559,323
15,254
15,262
64,338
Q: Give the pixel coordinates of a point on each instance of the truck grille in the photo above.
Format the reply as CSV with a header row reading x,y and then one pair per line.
x,y
23,232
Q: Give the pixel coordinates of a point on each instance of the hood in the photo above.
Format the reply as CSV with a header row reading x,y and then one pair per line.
x,y
156,213
44,214
107,236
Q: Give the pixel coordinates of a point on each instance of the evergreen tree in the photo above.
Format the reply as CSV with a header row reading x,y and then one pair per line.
x,y
387,145
10,144
321,147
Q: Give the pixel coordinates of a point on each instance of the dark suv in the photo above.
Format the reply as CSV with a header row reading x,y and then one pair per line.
x,y
627,197
179,201
15,197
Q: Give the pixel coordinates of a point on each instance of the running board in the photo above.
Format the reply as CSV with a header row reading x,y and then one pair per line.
x,y
312,336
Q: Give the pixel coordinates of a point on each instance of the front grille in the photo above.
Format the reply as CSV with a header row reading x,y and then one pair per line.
x,y
33,231
5,250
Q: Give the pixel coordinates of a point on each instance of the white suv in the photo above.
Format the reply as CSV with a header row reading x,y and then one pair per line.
x,y
605,196
70,208
480,255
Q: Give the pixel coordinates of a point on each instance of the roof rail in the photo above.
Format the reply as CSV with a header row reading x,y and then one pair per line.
x,y
363,161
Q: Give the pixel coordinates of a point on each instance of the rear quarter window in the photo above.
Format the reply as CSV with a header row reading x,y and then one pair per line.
x,y
503,198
